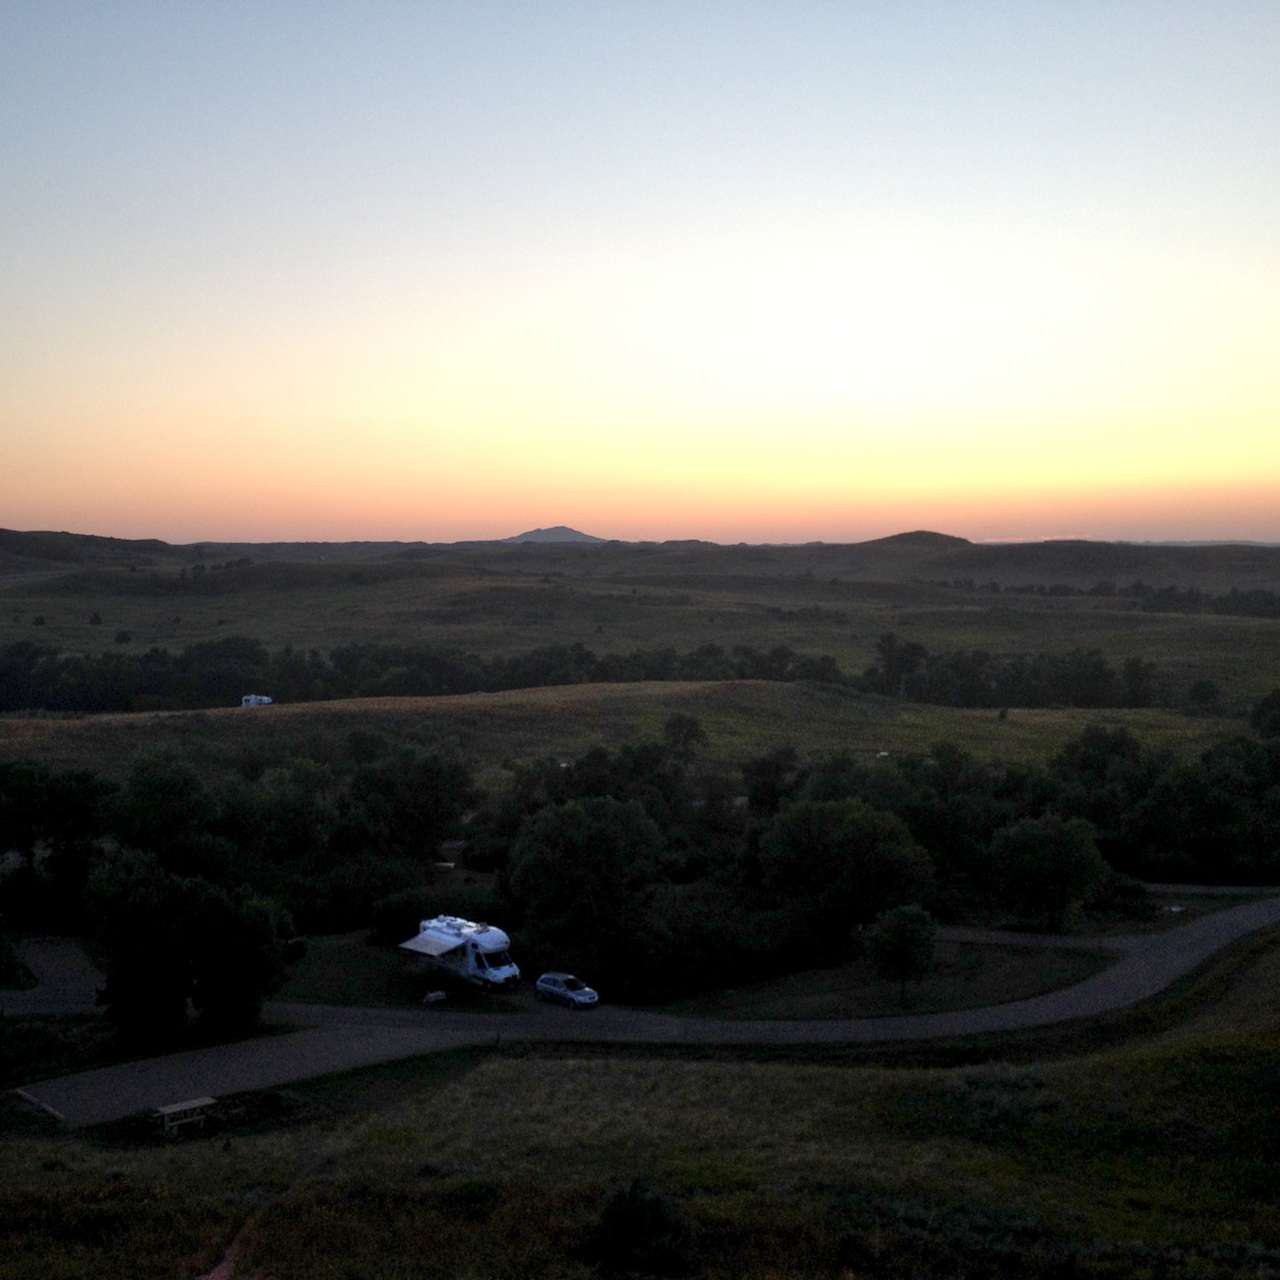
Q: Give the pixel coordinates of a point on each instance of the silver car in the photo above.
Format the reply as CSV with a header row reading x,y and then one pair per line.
x,y
565,989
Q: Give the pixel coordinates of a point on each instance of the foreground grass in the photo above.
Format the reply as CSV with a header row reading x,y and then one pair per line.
x,y
966,976
1152,1158
742,718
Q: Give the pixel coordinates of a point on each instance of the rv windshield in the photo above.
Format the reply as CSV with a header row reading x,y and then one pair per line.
x,y
497,959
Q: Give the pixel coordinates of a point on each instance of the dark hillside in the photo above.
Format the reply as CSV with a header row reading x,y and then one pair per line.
x,y
903,558
1084,563
45,550
917,556
925,538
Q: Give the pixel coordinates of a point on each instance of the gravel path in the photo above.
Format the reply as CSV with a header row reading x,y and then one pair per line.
x,y
339,1039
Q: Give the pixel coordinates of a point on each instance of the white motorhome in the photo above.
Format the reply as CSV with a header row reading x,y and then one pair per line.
x,y
255,700
476,953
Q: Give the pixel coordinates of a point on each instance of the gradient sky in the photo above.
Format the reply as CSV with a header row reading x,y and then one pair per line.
x,y
748,272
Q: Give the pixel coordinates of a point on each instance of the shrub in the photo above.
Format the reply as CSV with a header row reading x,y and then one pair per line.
x,y
13,973
1204,693
1264,719
642,1230
901,944
1124,896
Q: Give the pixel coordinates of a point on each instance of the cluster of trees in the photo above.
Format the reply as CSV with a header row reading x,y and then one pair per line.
x,y
694,888
191,889
617,866
642,871
324,840
975,678
169,941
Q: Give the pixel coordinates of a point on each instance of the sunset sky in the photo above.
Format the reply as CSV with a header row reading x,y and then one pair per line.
x,y
746,272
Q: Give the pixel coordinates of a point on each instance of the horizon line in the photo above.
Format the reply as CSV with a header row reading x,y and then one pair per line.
x,y
585,540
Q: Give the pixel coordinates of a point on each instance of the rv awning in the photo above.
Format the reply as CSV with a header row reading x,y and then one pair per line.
x,y
427,946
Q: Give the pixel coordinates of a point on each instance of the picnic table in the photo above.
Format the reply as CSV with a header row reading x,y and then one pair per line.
x,y
174,1115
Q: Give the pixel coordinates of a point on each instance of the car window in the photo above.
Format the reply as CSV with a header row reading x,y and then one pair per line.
x,y
574,984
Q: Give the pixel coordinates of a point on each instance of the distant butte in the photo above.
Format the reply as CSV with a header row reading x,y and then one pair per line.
x,y
559,533
919,538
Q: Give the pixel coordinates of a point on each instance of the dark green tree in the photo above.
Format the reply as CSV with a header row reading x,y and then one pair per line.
x,y
683,734
899,661
166,940
236,948
406,803
1047,867
837,864
771,779
164,806
1139,679
902,945
142,941
1104,776
579,876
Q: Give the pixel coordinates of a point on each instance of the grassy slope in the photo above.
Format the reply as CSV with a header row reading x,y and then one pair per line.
x,y
817,600
499,1163
741,718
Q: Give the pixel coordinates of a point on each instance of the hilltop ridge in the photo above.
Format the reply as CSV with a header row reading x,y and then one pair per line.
x,y
556,533
919,557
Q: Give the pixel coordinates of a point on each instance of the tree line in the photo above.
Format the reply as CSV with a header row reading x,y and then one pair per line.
x,y
976,678
218,672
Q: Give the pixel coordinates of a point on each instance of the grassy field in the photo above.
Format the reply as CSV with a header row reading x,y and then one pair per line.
x,y
741,718
616,601
1152,1158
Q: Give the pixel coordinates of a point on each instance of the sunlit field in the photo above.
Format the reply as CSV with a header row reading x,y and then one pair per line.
x,y
741,718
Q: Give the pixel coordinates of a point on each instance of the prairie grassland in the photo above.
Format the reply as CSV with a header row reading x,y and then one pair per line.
x,y
742,718
1155,1157
502,613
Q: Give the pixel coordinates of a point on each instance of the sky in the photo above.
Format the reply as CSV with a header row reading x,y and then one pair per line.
x,y
659,269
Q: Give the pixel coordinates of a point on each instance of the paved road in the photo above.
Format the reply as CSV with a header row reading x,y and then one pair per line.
x,y
339,1039
66,981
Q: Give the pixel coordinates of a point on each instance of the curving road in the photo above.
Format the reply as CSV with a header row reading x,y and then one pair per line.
x,y
340,1039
